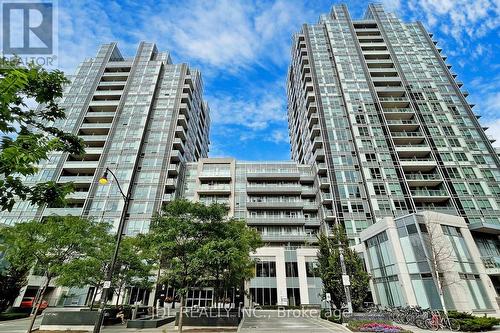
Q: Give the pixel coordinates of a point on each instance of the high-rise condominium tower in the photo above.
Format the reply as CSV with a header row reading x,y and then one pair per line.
x,y
374,105
141,117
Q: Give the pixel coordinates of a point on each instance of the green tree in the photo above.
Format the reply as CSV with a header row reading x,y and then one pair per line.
x,y
132,268
89,270
226,253
187,234
331,273
50,245
11,281
28,135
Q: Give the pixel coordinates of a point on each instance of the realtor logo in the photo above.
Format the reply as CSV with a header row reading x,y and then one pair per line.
x,y
27,27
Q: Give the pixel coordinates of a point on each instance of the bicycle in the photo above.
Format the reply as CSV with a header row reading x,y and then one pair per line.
x,y
438,322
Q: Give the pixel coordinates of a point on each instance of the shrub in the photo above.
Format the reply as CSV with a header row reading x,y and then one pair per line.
x,y
459,315
478,324
12,315
327,315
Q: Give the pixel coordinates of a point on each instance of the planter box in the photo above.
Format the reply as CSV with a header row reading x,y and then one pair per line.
x,y
211,317
57,320
149,323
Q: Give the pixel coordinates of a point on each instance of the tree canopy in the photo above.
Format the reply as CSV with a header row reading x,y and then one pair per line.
x,y
331,273
198,246
29,135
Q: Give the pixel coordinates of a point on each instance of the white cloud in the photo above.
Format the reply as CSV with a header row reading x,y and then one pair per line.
x,y
494,131
227,34
460,19
255,112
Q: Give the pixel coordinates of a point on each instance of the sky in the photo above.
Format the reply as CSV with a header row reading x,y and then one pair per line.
x,y
243,51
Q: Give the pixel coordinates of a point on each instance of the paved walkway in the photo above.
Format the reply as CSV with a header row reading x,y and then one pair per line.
x,y
263,321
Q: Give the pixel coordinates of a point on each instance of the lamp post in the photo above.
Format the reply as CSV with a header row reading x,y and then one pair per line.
x,y
109,276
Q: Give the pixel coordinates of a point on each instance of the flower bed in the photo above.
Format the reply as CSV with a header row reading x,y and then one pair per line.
x,y
378,327
372,326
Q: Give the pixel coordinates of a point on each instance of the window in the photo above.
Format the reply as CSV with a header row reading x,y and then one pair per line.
x,y
460,188
453,172
454,142
363,131
375,173
311,268
476,188
265,269
447,157
371,157
448,130
360,119
379,189
400,205
461,157
291,269
484,204
479,159
468,204
468,172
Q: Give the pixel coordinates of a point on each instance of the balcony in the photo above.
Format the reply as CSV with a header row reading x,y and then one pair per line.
x,y
492,265
403,124
417,164
394,102
311,108
114,76
182,121
319,155
275,204
173,169
407,138
168,197
329,215
309,192
321,167
221,175
326,198
215,189
175,156
63,211
180,132
315,130
310,206
76,179
317,143
171,183
312,222
429,195
178,144
492,227
269,220
324,183
105,125
77,195
272,188
81,164
313,120
423,179
287,237
416,150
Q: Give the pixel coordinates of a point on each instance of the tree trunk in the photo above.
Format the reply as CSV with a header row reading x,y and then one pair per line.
x,y
181,312
38,304
118,295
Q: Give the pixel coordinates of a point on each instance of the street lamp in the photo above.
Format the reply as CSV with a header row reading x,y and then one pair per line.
x,y
109,276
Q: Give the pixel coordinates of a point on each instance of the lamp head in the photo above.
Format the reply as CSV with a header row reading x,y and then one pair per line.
x,y
104,179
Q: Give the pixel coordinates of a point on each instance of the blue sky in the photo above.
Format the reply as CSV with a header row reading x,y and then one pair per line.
x,y
242,49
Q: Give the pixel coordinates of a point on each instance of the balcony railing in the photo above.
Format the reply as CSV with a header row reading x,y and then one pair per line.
x,y
429,193
417,176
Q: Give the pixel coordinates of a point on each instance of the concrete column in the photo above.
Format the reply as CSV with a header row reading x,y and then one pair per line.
x,y
281,276
302,253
